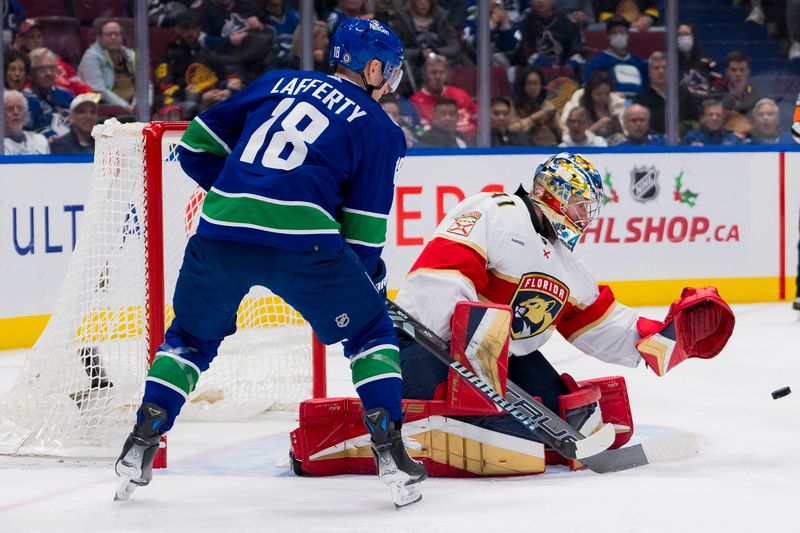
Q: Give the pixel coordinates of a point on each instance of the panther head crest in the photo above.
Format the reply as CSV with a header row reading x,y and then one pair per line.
x,y
535,312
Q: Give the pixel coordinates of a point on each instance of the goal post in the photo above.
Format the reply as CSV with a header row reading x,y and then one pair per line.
x,y
80,385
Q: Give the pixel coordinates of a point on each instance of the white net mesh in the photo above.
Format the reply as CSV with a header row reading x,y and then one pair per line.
x,y
80,386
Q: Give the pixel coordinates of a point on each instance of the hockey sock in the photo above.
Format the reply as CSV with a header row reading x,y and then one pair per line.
x,y
172,378
377,378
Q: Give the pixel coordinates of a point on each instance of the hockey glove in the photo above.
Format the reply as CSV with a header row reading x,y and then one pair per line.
x,y
699,324
379,278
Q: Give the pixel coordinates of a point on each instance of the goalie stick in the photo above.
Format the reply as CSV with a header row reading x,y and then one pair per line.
x,y
531,414
592,451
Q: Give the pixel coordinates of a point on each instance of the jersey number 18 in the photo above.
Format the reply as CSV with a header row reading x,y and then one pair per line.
x,y
289,134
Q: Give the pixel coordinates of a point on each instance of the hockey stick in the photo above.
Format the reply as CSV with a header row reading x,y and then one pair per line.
x,y
532,415
566,440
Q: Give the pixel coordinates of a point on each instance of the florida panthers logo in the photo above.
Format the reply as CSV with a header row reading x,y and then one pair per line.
x,y
536,304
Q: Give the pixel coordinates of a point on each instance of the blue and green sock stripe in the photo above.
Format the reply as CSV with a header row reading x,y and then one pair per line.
x,y
175,373
198,137
364,227
377,362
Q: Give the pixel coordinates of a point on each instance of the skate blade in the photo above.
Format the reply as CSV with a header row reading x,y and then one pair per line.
x,y
125,488
405,495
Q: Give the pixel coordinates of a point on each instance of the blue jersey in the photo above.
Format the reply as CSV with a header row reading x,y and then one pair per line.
x,y
48,115
630,73
284,28
296,161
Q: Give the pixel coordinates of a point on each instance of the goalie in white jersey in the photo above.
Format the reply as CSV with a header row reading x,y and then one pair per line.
x,y
517,250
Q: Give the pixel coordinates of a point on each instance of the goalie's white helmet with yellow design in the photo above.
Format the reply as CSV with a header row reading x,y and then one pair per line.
x,y
569,190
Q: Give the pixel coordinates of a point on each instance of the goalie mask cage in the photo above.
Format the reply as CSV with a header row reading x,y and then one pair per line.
x,y
80,386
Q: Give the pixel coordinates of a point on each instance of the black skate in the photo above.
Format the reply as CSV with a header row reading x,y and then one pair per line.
x,y
395,467
135,464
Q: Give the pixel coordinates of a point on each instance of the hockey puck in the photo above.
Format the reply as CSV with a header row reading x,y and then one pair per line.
x,y
780,393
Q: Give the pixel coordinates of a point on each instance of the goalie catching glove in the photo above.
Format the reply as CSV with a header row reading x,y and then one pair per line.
x,y
698,324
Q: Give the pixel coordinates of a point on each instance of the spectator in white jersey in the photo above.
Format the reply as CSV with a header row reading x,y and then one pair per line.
x,y
17,141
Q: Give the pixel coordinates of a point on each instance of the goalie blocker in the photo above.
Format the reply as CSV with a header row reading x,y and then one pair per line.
x,y
459,433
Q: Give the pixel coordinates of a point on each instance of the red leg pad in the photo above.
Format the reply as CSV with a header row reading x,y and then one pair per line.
x,y
615,406
482,331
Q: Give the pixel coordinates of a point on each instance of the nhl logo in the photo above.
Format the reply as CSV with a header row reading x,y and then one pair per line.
x,y
346,57
644,183
342,320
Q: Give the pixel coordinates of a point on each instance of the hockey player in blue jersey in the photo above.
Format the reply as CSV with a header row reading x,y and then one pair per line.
x,y
299,171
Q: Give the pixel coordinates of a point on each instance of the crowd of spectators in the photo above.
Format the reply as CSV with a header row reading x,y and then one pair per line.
x,y
782,19
553,89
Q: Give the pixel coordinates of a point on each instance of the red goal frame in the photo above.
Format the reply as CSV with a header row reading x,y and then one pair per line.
x,y
154,252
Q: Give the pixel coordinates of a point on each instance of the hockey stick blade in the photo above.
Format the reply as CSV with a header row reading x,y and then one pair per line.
x,y
657,450
535,417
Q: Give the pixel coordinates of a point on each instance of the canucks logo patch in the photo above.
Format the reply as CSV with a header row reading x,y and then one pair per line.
x,y
463,224
536,304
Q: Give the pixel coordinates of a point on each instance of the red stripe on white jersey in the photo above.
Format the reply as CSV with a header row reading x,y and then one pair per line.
x,y
445,254
499,290
574,319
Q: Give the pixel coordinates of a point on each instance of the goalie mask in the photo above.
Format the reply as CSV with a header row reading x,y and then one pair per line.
x,y
568,189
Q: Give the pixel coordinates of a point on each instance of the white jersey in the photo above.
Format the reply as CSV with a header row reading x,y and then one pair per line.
x,y
488,248
30,144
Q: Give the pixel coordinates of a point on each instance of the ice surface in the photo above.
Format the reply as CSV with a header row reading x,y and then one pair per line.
x,y
234,477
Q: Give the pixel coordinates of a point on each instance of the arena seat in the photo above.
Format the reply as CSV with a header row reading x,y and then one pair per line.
x,y
158,39
594,41
62,36
467,79
105,111
44,8
553,72
90,10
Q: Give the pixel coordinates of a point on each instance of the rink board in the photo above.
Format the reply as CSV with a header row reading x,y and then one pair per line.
x,y
673,218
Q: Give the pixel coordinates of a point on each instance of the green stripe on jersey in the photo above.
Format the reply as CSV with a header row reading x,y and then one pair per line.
x,y
384,362
175,372
266,213
199,138
366,228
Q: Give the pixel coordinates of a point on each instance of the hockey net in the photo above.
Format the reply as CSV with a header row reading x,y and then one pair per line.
x,y
80,386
